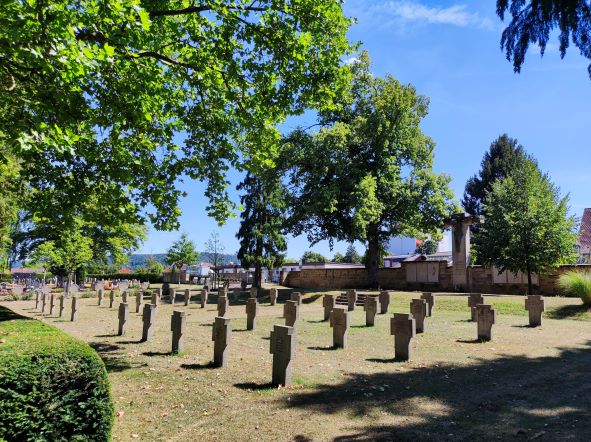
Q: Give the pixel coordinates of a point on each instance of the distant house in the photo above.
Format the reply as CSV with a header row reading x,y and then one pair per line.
x,y
26,272
584,243
125,271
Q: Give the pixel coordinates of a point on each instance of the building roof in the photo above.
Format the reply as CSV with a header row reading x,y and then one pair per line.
x,y
585,232
26,270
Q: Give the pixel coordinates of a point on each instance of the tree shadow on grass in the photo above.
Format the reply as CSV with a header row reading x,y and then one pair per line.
x,y
490,399
317,322
8,315
157,353
253,386
208,366
568,311
471,341
114,362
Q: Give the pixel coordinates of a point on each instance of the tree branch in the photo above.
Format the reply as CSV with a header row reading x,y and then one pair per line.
x,y
199,9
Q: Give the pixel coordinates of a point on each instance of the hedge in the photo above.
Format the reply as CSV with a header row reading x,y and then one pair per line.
x,y
153,278
52,387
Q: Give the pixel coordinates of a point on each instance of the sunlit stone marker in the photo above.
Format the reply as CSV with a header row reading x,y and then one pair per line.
x,y
51,303
74,308
418,310
187,297
43,302
222,304
351,299
485,318
221,335
111,298
296,296
273,295
123,318
252,309
159,295
371,305
124,296
535,305
178,322
172,295
155,298
282,347
148,319
101,295
384,302
403,328
339,321
328,302
254,292
62,307
37,299
203,297
138,300
473,300
428,296
291,312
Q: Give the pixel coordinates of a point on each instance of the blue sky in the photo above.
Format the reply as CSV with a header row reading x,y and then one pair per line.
x,y
450,51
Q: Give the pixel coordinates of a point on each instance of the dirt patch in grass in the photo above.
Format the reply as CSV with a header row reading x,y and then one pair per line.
x,y
527,382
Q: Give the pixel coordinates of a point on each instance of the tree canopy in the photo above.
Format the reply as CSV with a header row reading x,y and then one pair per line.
x,y
533,21
367,174
310,256
527,227
121,98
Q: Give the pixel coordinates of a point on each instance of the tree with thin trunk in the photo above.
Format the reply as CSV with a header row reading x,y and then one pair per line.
x,y
527,227
182,252
367,174
214,250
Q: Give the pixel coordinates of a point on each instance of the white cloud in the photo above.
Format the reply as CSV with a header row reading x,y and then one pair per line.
x,y
384,12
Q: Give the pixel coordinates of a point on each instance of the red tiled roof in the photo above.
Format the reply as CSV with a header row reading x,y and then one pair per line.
x,y
585,232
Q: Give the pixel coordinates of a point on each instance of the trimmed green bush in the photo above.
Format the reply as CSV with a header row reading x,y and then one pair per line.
x,y
577,283
52,387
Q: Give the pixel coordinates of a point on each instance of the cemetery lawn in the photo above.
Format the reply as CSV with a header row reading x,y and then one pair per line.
x,y
528,383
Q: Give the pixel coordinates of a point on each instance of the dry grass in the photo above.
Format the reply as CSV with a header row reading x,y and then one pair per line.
x,y
524,382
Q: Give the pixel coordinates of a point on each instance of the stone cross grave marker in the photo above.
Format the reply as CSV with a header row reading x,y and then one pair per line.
x,y
221,335
148,319
273,294
328,302
236,293
535,305
428,296
282,347
254,292
485,318
252,310
384,299
74,308
62,307
418,310
473,300
371,305
339,321
43,302
100,293
187,297
351,299
51,303
124,296
297,297
111,298
291,311
145,285
178,322
403,327
155,298
37,298
123,318
203,297
138,300
222,304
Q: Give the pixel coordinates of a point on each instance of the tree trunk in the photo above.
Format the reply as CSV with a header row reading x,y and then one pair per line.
x,y
530,289
373,256
258,276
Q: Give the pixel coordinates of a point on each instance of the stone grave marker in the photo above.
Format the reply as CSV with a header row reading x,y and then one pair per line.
x,y
111,298
418,310
51,303
473,300
148,319
221,335
403,328
328,302
339,321
254,292
62,307
100,293
384,299
351,299
296,296
428,296
138,300
252,310
177,326
155,298
145,285
535,305
43,302
74,308
187,297
485,318
273,295
203,297
371,305
123,318
236,294
158,295
222,304
37,299
291,311
124,296
282,347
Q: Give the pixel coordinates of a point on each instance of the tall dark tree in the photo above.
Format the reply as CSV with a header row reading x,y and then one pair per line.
x,y
262,219
533,21
503,157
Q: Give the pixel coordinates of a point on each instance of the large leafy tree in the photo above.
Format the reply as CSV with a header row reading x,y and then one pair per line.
x,y
181,252
121,97
527,226
262,219
367,174
504,156
310,256
533,21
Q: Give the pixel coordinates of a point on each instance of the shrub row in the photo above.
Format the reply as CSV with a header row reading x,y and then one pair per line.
x,y
52,387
